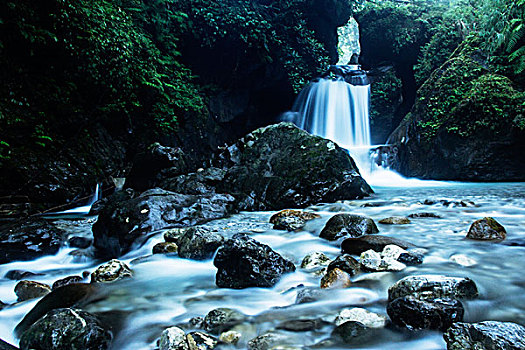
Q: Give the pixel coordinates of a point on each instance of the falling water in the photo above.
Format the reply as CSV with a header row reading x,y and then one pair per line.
x,y
84,209
339,111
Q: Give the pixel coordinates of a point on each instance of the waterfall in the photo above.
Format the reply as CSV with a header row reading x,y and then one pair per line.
x,y
338,109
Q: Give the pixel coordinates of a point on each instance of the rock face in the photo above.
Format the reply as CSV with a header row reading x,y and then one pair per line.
x,y
488,335
487,229
243,262
417,314
111,271
26,290
272,168
28,240
291,220
374,242
124,222
199,244
433,287
466,124
342,225
66,329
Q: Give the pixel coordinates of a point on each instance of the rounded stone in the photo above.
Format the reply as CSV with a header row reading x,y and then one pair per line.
x,y
343,225
291,220
67,280
315,261
230,337
487,229
351,332
365,317
199,244
463,260
371,261
165,248
336,278
433,287
173,338
395,220
113,270
222,319
347,263
26,290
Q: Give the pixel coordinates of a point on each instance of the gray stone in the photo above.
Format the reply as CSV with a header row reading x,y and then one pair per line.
x,y
487,335
315,261
345,262
199,243
395,220
371,261
343,225
487,229
67,280
268,341
222,319
352,332
365,317
112,271
173,338
291,220
434,287
302,325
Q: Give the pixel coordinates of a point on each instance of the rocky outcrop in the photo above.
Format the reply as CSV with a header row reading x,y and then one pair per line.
x,y
467,124
243,262
487,335
348,225
67,329
271,168
29,239
126,221
487,229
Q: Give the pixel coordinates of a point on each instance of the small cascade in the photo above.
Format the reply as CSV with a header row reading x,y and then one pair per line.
x,y
83,210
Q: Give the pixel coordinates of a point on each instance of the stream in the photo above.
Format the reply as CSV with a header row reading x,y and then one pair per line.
x,y
167,290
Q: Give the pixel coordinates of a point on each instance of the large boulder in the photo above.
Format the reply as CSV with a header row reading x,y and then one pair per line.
x,y
433,287
487,335
29,239
281,166
467,124
348,225
487,229
374,242
67,329
124,222
243,262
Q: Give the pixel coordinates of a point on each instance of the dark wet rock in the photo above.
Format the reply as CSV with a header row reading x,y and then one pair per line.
x,y
395,220
487,335
424,215
6,346
487,229
308,295
201,341
79,242
201,182
433,287
416,314
358,245
65,281
352,332
365,317
243,262
173,235
342,225
345,262
372,261
315,261
26,290
291,220
113,270
123,223
199,243
2,305
67,329
148,165
29,239
165,248
272,168
336,278
301,325
449,203
17,275
173,338
222,319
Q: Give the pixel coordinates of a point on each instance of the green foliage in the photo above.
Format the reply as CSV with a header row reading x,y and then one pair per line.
x,y
385,95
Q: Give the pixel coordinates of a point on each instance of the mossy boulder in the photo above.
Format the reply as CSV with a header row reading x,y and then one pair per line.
x,y
468,123
487,229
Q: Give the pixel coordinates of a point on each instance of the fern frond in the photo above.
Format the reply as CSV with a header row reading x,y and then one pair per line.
x,y
515,35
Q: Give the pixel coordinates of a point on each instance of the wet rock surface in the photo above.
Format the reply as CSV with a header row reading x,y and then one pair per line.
x,y
416,314
487,335
487,229
346,263
67,329
29,239
336,278
244,262
315,261
395,220
111,271
372,261
352,332
433,287
302,325
26,290
358,245
65,281
348,225
222,319
199,243
173,338
365,317
124,222
165,248
291,220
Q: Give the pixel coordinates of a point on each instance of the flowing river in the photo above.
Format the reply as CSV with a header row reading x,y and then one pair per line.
x,y
167,290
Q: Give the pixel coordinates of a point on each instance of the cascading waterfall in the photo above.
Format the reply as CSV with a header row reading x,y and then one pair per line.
x,y
339,111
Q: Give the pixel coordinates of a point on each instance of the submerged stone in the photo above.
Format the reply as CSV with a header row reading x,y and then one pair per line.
x,y
26,290
222,319
365,317
487,229
343,225
291,220
336,278
395,220
199,244
487,335
65,281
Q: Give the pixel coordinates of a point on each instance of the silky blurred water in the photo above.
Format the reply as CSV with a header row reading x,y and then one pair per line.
x,y
167,290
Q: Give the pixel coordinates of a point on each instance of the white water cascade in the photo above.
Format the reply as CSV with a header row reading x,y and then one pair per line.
x,y
339,111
